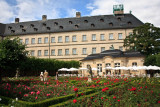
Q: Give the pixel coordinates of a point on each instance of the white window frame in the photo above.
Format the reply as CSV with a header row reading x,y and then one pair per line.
x,y
32,52
21,41
39,40
59,39
120,36
74,51
102,49
134,63
66,38
53,40
102,37
33,41
27,41
46,40
45,52
39,52
93,37
84,51
59,52
84,38
53,52
66,51
74,38
111,36
93,50
117,64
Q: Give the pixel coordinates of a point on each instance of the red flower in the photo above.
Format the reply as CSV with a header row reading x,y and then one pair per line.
x,y
38,92
82,94
159,101
76,89
114,97
118,100
104,89
102,98
36,97
74,101
91,97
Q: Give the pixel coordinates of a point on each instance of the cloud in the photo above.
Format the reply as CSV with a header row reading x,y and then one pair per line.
x,y
71,12
145,10
6,12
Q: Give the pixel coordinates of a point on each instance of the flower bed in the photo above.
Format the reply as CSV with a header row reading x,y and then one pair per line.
x,y
74,91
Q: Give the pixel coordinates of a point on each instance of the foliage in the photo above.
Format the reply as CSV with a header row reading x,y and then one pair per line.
x,y
144,39
33,66
152,60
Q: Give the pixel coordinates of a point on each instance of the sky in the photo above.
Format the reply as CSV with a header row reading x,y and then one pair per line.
x,y
31,10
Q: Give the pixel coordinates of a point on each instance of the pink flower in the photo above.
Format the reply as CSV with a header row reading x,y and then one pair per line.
x,y
25,95
76,89
102,98
32,92
114,97
36,97
38,92
48,94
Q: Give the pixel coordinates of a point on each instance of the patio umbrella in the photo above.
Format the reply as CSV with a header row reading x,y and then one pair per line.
x,y
153,67
108,68
73,69
63,69
94,69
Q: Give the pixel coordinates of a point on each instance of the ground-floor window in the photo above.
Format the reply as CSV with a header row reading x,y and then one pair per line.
x,y
99,68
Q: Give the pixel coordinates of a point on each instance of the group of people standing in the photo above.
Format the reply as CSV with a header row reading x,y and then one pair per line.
x,y
44,76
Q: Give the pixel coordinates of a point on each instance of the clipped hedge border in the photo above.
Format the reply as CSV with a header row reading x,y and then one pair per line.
x,y
5,100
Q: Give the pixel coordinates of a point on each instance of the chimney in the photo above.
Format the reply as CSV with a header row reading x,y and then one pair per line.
x,y
44,17
78,14
16,20
118,9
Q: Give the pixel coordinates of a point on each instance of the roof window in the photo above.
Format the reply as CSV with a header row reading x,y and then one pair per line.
x,y
110,24
101,20
9,27
70,22
12,31
23,30
48,28
60,27
92,25
119,19
55,23
44,24
21,26
32,25
129,23
35,29
85,21
76,26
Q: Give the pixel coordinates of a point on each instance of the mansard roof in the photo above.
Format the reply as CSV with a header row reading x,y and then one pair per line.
x,y
113,53
101,22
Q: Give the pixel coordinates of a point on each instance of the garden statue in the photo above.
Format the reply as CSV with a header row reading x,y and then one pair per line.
x,y
45,75
17,73
90,72
41,76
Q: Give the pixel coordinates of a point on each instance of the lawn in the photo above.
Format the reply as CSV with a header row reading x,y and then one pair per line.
x,y
76,91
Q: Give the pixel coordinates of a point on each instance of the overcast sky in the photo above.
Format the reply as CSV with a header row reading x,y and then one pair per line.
x,y
31,10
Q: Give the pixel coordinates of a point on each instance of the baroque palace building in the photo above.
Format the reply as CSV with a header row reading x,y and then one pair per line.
x,y
72,38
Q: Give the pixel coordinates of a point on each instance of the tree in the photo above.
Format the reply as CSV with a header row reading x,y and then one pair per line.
x,y
144,39
12,54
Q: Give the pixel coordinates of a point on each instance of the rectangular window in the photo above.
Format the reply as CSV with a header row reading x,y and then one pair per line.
x,y
93,37
46,40
93,50
39,40
21,40
111,36
74,51
52,39
134,64
121,48
102,37
119,35
33,41
45,52
66,51
32,53
84,51
26,41
39,52
67,39
99,68
108,64
102,49
117,65
84,37
60,39
59,52
53,52
74,38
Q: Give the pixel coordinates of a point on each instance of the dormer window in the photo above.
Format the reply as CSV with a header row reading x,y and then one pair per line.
x,y
60,27
70,22
9,27
32,25
35,29
12,31
110,24
21,26
85,21
48,28
55,23
101,20
76,26
119,19
129,23
44,24
23,30
92,25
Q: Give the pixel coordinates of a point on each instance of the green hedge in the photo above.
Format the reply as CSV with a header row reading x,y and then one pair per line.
x,y
33,66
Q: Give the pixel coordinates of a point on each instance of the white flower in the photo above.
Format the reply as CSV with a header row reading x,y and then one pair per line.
x,y
16,99
0,99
